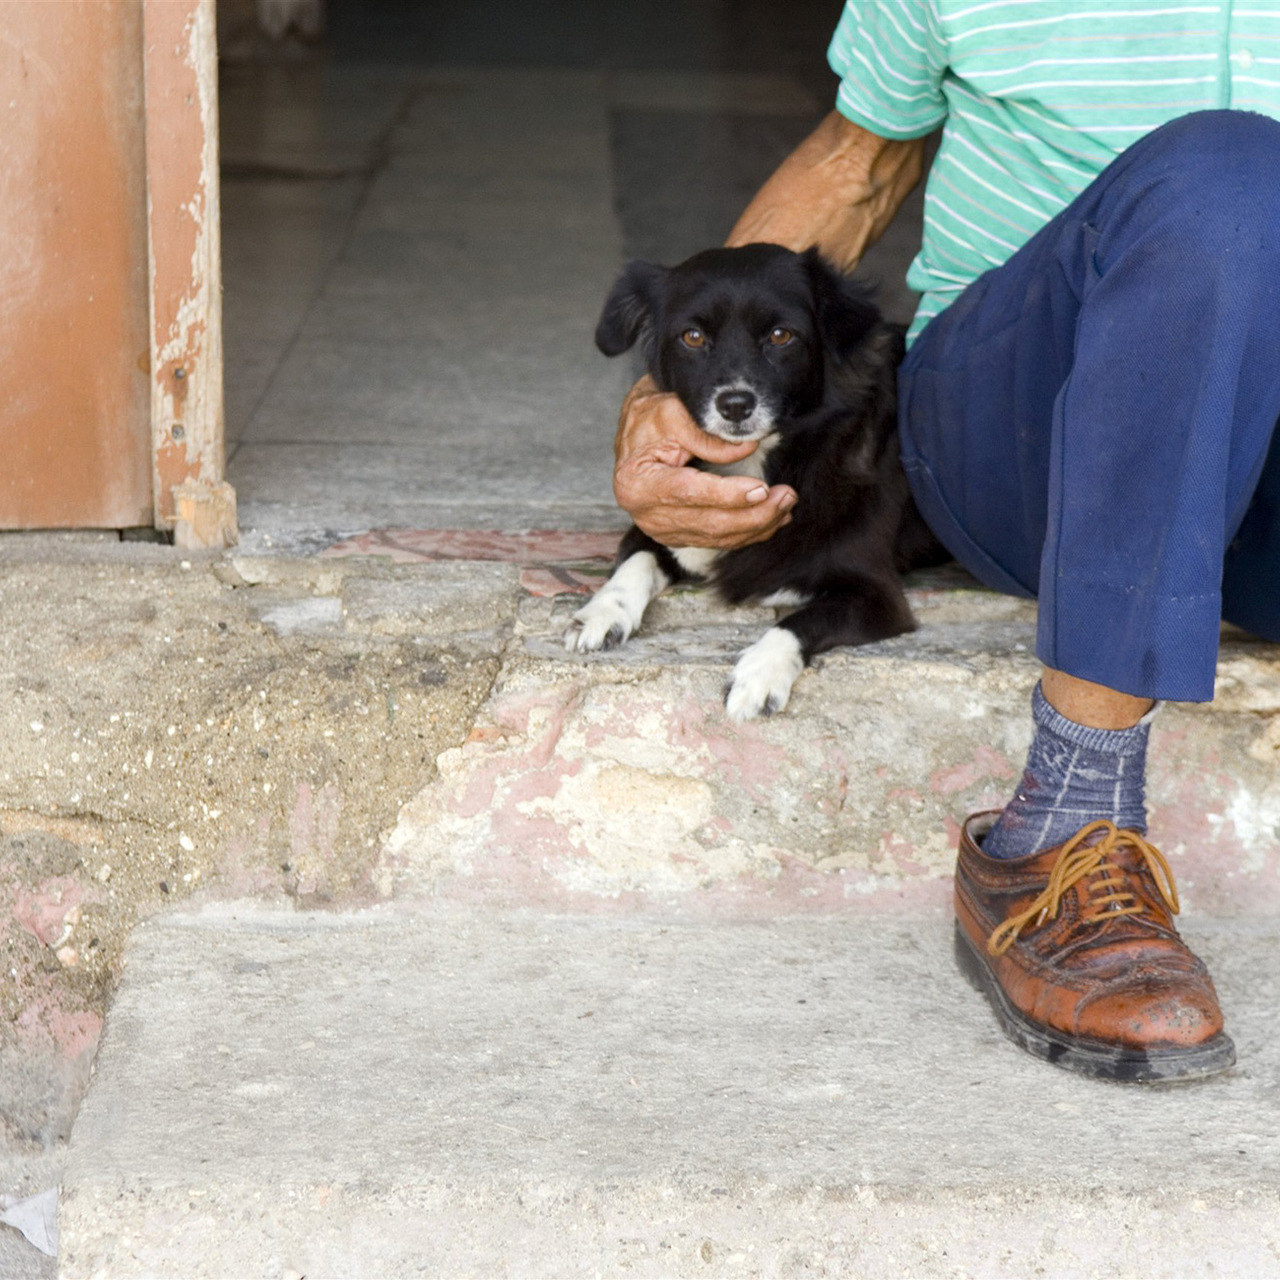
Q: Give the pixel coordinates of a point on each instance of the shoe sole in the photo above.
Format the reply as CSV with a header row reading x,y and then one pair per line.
x,y
1090,1057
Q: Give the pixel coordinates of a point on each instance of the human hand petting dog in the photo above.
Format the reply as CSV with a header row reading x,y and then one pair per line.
x,y
675,504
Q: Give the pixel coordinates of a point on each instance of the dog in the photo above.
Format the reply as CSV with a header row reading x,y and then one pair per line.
x,y
763,344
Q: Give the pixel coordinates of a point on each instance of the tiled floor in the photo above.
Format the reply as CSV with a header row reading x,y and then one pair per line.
x,y
421,221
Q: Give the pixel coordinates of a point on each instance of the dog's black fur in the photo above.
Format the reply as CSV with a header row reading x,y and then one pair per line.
x,y
762,343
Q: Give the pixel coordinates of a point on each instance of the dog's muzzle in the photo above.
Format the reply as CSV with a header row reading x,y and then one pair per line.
x,y
736,413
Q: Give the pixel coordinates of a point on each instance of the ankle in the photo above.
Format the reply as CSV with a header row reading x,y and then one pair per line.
x,y
1092,705
1068,731
1075,774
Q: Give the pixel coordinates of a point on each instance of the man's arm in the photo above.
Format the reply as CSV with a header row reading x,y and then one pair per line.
x,y
838,190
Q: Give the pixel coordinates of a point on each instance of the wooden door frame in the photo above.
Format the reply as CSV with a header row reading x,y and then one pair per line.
x,y
188,450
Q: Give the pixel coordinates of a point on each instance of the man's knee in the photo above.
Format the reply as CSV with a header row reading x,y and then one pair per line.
x,y
1211,182
1217,173
1208,137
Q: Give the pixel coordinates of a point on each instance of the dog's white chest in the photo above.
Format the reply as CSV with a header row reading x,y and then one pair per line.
x,y
698,561
752,465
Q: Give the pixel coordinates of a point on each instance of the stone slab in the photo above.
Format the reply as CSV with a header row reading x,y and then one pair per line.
x,y
302,497
600,782
451,1093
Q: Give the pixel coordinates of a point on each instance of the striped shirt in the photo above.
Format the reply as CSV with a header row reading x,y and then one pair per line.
x,y
1038,97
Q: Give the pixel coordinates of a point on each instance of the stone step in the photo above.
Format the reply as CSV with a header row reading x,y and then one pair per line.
x,y
443,1091
658,993
599,782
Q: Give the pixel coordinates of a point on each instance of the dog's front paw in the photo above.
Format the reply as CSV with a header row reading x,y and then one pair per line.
x,y
603,623
763,676
617,609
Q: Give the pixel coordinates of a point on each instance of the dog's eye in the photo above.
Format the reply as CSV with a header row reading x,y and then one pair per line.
x,y
780,336
694,338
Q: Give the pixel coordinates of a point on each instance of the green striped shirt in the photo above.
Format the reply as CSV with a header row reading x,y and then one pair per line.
x,y
1038,97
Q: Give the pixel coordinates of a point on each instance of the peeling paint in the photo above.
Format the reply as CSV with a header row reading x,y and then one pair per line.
x,y
643,789
184,248
985,766
43,914
313,839
44,1024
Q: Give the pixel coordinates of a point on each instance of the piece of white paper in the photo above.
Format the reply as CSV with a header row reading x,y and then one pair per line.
x,y
36,1217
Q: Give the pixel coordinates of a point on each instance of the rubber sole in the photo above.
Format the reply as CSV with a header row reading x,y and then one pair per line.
x,y
1091,1057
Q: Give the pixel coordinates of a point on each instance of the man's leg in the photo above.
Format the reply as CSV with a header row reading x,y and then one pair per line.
x,y
1088,424
1251,575
1092,704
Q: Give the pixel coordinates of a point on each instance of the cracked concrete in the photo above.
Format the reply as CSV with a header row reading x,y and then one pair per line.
x,y
178,729
598,782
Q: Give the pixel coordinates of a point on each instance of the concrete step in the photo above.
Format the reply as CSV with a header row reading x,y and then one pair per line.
x,y
658,993
443,1091
595,783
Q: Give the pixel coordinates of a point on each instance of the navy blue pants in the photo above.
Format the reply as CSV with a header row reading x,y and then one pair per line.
x,y
1090,423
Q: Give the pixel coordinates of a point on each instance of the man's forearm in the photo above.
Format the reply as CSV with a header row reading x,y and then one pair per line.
x,y
838,190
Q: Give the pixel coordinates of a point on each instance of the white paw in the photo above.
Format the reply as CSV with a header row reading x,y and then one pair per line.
x,y
616,610
604,623
763,676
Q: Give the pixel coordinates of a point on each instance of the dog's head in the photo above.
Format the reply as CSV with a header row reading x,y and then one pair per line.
x,y
745,337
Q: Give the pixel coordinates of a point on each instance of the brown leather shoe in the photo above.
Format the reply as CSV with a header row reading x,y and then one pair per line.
x,y
1076,950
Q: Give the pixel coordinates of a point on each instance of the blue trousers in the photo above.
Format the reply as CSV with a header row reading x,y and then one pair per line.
x,y
1091,423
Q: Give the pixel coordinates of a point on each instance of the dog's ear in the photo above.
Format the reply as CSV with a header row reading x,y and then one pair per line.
x,y
845,310
628,311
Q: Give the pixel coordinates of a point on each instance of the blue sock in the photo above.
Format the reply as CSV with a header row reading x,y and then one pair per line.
x,y
1074,775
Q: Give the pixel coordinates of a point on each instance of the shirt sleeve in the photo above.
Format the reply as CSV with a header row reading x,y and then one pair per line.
x,y
890,56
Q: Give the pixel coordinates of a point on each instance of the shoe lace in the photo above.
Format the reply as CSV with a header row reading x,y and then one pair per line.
x,y
1107,897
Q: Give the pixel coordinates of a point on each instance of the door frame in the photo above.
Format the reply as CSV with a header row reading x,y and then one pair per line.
x,y
188,448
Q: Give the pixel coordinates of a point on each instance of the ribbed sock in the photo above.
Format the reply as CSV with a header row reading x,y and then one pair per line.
x,y
1074,775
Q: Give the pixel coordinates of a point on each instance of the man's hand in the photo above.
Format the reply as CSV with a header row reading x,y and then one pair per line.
x,y
675,504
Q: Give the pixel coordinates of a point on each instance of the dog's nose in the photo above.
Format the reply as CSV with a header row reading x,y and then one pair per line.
x,y
736,406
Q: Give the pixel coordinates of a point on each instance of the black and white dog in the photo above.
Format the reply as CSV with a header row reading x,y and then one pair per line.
x,y
768,345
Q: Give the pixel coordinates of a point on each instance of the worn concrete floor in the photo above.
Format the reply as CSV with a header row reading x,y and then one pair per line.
x,y
444,1092
170,730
